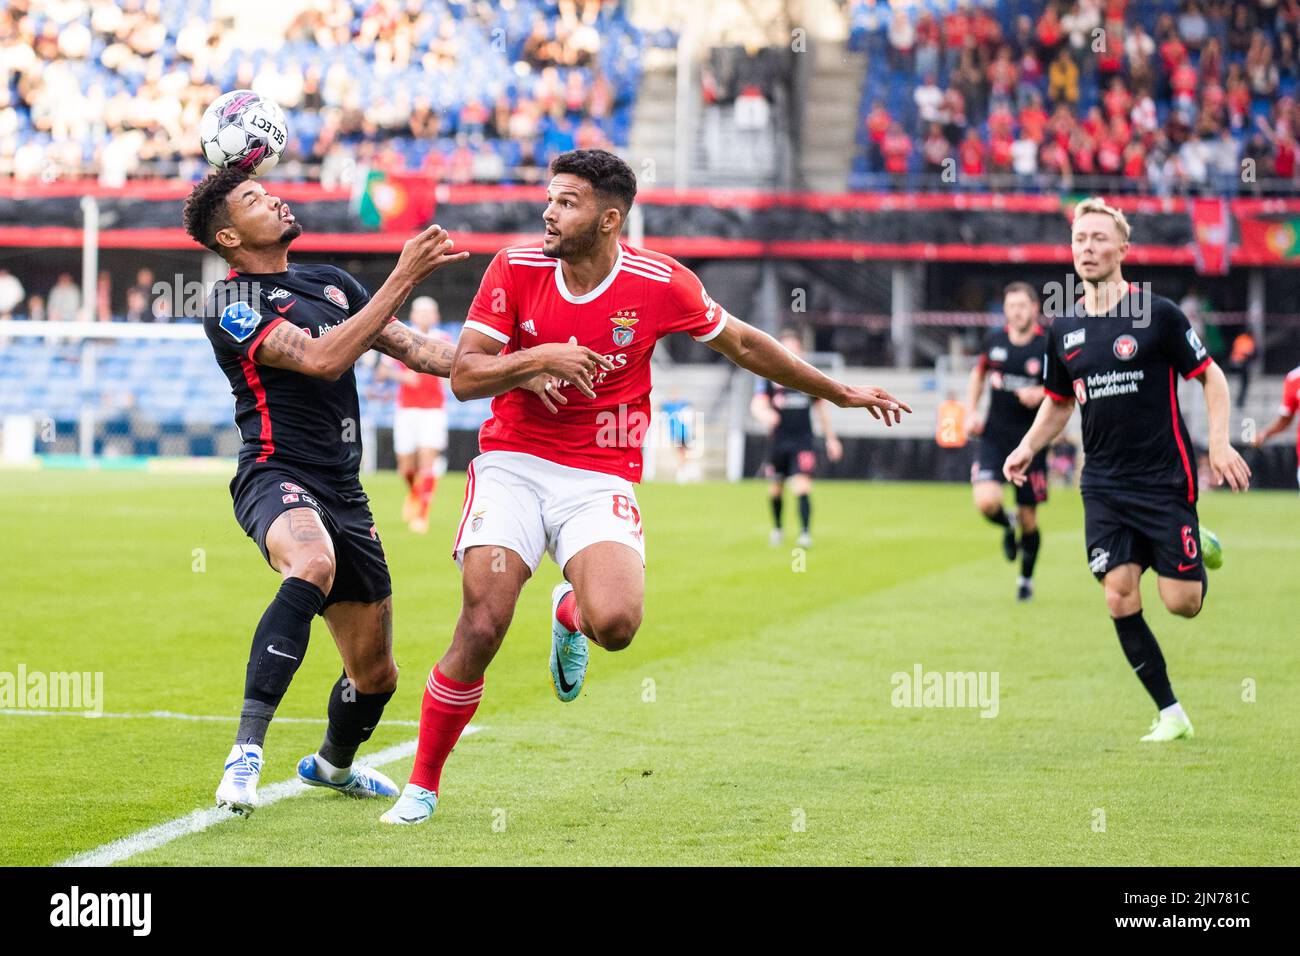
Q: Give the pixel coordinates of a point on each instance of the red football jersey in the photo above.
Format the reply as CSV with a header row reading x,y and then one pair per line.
x,y
426,393
523,301
1291,401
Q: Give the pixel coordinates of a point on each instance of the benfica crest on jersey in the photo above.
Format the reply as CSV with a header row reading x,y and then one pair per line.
x,y
623,321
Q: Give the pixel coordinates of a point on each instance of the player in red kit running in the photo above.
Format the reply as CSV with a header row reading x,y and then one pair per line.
x,y
587,309
1285,415
420,424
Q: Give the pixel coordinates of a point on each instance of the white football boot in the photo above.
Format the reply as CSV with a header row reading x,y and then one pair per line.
x,y
238,788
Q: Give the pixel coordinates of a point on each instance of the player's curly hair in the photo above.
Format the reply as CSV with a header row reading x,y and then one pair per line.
x,y
607,173
206,211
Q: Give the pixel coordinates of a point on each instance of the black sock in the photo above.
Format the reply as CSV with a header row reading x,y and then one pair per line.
x,y
777,502
1144,656
805,512
1001,518
279,644
254,718
353,718
1029,542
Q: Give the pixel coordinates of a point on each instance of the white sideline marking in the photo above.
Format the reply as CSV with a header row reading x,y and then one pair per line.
x,y
172,715
197,821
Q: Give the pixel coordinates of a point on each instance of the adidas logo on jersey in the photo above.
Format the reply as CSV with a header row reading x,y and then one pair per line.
x,y
528,327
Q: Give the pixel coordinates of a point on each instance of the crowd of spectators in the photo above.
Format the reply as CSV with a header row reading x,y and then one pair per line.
x,y
466,89
1191,97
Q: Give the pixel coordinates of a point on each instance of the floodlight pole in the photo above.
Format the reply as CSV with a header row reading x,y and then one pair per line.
x,y
89,302
1255,305
685,103
89,257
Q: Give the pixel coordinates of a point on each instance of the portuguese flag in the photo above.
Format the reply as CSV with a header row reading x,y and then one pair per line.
x,y
1273,239
393,202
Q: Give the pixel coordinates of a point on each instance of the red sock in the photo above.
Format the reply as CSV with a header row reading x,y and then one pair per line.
x,y
567,612
448,706
425,492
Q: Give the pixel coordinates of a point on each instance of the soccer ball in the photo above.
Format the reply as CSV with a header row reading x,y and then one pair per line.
x,y
243,130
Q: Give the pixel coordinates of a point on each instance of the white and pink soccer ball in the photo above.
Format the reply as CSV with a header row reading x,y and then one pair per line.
x,y
243,130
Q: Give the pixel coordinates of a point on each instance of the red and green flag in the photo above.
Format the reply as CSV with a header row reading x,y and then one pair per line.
x,y
394,202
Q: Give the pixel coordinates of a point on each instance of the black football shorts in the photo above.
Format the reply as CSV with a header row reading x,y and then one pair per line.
x,y
1152,530
263,492
790,458
991,454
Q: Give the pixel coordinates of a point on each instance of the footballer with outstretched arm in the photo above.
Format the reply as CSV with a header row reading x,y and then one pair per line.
x,y
586,308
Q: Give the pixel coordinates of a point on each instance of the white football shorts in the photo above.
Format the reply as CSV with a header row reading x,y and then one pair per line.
x,y
533,507
415,428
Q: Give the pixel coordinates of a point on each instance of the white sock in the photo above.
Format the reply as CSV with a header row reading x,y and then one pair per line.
x,y
330,772
1174,710
1023,580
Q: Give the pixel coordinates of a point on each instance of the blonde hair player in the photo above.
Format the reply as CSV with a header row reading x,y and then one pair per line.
x,y
1117,354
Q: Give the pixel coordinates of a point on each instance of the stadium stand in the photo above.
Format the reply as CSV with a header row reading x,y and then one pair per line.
x,y
469,91
775,175
1161,97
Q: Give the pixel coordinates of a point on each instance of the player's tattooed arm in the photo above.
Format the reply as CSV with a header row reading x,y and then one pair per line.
x,y
755,350
433,356
290,347
331,356
415,350
285,347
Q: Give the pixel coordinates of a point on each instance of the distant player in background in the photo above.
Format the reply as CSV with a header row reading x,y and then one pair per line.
x,y
1011,363
791,454
1117,353
678,414
420,423
1285,415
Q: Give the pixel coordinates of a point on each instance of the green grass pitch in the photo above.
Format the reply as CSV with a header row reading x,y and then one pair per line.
x,y
749,723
